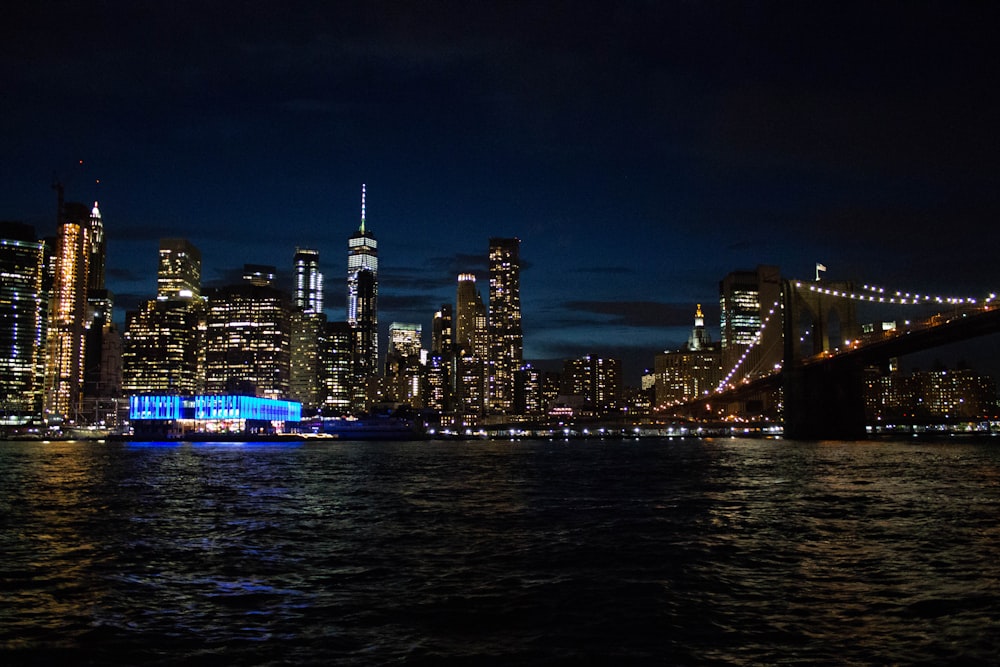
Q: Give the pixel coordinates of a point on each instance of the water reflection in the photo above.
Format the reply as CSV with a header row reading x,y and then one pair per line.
x,y
689,551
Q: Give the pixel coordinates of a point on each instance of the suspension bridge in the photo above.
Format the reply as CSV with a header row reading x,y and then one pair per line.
x,y
806,363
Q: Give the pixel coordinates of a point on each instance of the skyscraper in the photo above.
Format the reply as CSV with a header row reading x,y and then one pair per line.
x,y
403,363
506,339
336,362
686,374
746,299
247,338
179,274
308,294
162,342
468,305
160,349
362,305
68,316
22,322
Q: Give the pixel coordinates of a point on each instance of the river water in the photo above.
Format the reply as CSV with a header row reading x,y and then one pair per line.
x,y
679,551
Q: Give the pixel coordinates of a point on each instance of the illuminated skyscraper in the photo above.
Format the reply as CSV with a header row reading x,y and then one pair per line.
x,y
336,361
596,380
746,299
308,293
404,370
22,323
247,338
179,274
688,373
506,339
468,305
362,305
160,349
68,316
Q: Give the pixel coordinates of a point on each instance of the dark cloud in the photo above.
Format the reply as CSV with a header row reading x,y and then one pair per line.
x,y
638,313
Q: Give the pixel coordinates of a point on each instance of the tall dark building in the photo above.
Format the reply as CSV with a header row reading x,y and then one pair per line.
x,y
362,305
506,339
23,307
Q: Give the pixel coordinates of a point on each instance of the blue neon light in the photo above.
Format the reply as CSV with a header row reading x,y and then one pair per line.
x,y
212,407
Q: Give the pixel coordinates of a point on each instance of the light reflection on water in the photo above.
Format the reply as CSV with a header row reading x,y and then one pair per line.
x,y
688,551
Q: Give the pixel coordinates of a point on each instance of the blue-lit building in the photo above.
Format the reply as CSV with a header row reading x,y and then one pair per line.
x,y
172,416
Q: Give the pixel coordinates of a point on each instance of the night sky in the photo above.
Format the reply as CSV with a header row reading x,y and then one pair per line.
x,y
639,150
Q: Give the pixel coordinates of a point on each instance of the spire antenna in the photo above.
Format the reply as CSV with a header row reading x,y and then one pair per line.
x,y
362,208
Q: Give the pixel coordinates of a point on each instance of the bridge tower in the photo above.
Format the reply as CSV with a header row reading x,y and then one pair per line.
x,y
822,400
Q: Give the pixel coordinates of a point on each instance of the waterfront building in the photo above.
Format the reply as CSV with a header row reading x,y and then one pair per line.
x,y
68,316
362,305
174,417
23,309
692,371
506,339
179,273
746,299
336,368
247,337
307,296
936,396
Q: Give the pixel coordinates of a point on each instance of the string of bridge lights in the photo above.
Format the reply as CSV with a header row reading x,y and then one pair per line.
x,y
876,294
753,343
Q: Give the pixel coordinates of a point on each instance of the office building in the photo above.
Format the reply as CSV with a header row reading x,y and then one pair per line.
x,y
160,349
690,372
304,373
506,339
179,273
307,296
336,367
404,370
747,300
595,380
362,305
23,310
247,337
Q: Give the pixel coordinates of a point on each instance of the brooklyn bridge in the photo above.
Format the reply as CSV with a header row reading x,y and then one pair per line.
x,y
806,363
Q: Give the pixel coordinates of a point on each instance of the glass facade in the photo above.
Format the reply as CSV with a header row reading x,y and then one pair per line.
x,y
179,274
362,305
212,407
22,324
308,291
247,341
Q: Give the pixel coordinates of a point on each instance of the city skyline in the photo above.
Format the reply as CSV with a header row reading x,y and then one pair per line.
x,y
640,152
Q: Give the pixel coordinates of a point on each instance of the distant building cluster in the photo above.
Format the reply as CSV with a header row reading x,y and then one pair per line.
x,y
66,362
69,363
